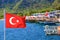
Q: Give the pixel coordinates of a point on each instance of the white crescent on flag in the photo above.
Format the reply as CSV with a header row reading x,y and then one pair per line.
x,y
10,20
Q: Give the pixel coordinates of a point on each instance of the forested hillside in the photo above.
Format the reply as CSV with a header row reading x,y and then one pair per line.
x,y
28,7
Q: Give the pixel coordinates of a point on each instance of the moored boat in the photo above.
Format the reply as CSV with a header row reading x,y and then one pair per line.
x,y
52,30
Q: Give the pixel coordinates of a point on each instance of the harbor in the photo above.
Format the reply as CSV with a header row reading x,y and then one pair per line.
x,y
33,31
48,18
29,19
45,17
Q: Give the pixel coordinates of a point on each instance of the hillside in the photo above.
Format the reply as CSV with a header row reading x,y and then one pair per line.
x,y
29,6
26,3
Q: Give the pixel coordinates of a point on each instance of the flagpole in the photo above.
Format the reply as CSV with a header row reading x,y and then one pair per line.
x,y
4,24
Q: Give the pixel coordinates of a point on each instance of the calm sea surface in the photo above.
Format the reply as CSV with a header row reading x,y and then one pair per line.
x,y
1,30
33,31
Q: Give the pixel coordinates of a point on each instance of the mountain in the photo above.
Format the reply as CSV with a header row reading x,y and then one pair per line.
x,y
28,7
36,3
27,3
56,4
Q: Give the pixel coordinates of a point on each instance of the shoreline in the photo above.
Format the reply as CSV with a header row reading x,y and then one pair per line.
x,y
1,19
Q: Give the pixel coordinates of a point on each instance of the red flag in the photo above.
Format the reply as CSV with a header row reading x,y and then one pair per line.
x,y
14,21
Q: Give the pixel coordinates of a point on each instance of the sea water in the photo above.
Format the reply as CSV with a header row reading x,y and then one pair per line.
x,y
1,30
33,31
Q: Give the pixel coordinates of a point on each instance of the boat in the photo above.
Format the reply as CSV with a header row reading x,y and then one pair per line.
x,y
52,30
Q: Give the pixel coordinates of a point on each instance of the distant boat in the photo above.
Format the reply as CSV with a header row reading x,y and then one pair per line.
x,y
52,30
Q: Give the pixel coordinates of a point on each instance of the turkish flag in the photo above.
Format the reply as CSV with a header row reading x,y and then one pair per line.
x,y
14,21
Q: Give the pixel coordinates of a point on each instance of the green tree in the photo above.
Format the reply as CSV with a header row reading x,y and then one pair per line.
x,y
56,4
